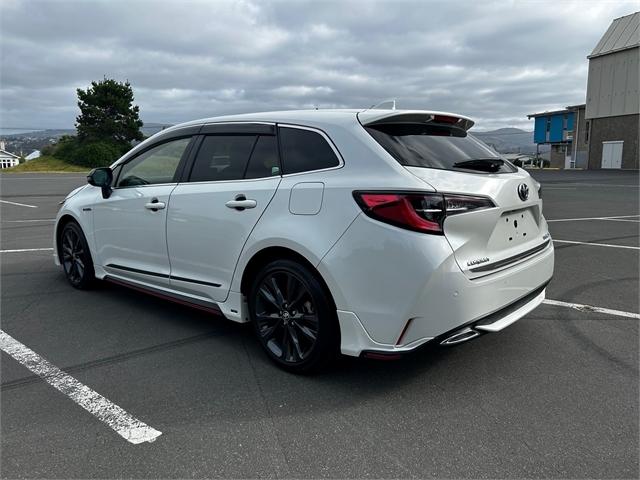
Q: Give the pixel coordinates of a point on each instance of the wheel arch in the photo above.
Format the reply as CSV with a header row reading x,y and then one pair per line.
x,y
62,222
268,254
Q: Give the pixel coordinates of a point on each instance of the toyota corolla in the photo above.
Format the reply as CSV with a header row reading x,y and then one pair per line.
x,y
368,233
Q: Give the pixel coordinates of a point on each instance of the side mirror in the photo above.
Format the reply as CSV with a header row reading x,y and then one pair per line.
x,y
101,177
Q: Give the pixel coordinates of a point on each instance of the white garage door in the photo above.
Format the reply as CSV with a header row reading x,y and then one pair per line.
x,y
612,154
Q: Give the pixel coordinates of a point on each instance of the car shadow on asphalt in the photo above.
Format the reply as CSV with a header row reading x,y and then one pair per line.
x,y
346,373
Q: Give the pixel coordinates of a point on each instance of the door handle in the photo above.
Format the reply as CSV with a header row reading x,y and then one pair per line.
x,y
155,205
241,202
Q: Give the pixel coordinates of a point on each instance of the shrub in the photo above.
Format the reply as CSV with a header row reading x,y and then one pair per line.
x,y
86,154
98,154
65,148
48,150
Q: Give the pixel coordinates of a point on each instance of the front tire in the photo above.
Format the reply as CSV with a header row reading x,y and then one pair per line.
x,y
75,257
294,317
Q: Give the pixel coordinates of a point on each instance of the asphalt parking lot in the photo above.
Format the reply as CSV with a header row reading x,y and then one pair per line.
x,y
554,395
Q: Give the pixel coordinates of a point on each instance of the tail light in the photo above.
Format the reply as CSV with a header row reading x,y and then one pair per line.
x,y
420,212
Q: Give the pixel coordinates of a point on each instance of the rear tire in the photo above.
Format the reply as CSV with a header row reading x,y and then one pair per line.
x,y
75,257
294,317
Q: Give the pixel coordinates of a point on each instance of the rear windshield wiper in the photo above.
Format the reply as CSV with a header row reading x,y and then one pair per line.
x,y
481,164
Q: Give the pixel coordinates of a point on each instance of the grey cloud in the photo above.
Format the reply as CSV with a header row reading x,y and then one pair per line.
x,y
495,61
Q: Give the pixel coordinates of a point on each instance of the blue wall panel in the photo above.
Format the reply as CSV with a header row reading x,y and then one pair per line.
x,y
539,130
556,128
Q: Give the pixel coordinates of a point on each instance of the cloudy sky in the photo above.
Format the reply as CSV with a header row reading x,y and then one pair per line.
x,y
495,61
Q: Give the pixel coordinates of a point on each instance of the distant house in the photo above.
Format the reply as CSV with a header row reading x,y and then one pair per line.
x,y
7,159
556,129
33,155
613,100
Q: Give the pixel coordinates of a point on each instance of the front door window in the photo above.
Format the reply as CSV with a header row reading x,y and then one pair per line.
x,y
156,165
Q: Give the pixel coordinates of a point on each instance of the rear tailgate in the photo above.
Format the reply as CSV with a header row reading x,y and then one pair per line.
x,y
489,240
435,147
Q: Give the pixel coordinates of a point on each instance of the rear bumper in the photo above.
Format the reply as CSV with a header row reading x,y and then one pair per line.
x,y
357,342
397,290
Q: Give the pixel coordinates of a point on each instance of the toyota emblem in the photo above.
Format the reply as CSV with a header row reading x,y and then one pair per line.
x,y
523,192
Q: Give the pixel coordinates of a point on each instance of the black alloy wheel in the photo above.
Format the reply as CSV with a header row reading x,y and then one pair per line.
x,y
75,256
293,317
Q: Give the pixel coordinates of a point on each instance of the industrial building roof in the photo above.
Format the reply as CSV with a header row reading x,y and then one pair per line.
x,y
623,33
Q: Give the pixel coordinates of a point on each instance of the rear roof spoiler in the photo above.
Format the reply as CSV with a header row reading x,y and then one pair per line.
x,y
379,116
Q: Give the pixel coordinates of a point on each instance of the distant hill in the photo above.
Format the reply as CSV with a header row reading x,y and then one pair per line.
x,y
25,143
510,140
150,128
30,140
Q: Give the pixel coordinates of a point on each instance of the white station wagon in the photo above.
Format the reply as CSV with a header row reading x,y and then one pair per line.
x,y
362,232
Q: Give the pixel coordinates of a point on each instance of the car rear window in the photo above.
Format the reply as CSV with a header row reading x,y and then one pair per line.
x,y
441,147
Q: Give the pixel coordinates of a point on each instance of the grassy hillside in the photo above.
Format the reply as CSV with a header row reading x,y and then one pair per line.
x,y
45,164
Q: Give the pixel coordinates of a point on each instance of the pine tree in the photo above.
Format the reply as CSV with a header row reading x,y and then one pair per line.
x,y
107,114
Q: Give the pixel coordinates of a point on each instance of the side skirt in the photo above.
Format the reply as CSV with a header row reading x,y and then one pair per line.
x,y
176,298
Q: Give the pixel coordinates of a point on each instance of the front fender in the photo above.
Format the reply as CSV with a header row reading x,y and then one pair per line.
x,y
77,206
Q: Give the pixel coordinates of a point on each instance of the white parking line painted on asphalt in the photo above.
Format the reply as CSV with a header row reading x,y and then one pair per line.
x,y
619,185
591,218
29,221
20,250
61,175
589,308
596,244
125,425
18,204
621,220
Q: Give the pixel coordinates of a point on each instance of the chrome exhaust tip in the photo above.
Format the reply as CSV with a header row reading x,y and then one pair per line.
x,y
460,336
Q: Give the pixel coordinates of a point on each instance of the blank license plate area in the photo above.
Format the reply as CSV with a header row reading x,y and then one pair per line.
x,y
514,228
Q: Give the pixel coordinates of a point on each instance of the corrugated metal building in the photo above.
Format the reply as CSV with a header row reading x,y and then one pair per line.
x,y
613,96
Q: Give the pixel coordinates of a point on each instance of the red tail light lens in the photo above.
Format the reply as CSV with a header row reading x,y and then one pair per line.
x,y
420,212
417,212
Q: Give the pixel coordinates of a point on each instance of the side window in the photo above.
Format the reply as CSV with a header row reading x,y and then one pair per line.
x,y
222,157
264,159
304,150
157,165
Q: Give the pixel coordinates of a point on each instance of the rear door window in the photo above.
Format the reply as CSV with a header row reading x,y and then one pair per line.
x,y
222,157
305,150
234,157
435,146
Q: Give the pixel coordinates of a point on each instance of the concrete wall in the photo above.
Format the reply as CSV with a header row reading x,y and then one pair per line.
x,y
580,145
557,156
613,86
626,128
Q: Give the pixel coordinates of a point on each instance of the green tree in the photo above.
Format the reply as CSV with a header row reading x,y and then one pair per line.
x,y
107,114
